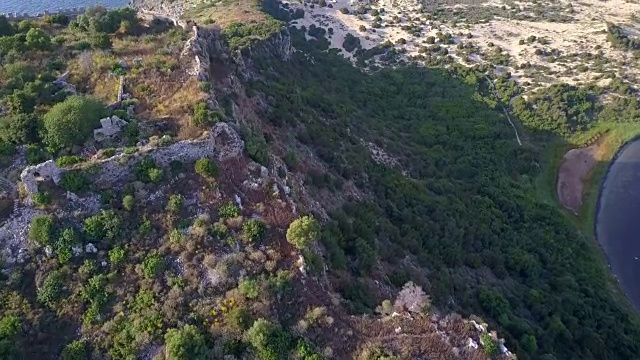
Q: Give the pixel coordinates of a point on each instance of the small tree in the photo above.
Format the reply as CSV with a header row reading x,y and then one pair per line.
x,y
303,231
186,343
412,298
37,39
269,340
72,121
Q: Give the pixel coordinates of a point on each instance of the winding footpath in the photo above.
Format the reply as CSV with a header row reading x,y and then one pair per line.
x,y
495,92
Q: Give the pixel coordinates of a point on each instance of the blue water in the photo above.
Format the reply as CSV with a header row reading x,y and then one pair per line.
x,y
618,220
39,6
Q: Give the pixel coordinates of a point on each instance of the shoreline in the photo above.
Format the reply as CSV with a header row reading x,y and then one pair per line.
x,y
601,188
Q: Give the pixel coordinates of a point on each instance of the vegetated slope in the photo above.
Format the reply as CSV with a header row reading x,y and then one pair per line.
x,y
140,246
459,208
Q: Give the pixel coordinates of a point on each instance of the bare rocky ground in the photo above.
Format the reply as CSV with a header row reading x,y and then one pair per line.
x,y
576,166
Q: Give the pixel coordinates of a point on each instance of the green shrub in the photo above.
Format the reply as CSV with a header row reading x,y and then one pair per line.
x,y
489,344
249,288
186,343
104,226
75,350
128,202
95,290
42,198
175,236
253,230
152,265
256,146
52,289
147,171
69,160
174,204
303,231
206,168
117,256
269,340
74,181
72,121
202,116
219,231
68,238
7,149
41,229
228,210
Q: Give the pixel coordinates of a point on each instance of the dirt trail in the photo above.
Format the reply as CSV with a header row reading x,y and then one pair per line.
x,y
575,170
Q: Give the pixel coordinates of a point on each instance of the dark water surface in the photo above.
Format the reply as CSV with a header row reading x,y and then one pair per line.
x,y
618,220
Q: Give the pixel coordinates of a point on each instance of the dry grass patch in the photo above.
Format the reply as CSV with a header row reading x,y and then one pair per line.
x,y
226,12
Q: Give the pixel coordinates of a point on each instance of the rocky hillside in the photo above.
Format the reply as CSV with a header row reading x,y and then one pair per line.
x,y
233,188
148,236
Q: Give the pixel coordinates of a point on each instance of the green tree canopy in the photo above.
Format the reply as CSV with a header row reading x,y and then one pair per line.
x,y
72,121
38,39
186,343
303,232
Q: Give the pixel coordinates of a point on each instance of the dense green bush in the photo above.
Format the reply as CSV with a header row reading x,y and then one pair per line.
x,y
269,340
253,230
42,198
42,229
239,35
206,168
104,226
75,350
185,343
250,288
117,256
128,202
174,204
202,116
52,289
74,181
228,210
152,265
351,42
303,231
147,171
72,121
69,160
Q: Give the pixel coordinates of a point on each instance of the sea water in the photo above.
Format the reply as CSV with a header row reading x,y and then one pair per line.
x,y
33,7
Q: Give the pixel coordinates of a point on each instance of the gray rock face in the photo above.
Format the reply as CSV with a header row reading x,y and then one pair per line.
x,y
227,141
31,175
109,127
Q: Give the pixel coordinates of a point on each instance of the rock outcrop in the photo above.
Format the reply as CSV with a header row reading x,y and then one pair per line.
x,y
45,171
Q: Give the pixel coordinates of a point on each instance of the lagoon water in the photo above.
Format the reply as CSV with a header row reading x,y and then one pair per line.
x,y
618,220
39,6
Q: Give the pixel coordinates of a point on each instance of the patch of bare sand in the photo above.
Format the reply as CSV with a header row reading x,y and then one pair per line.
x,y
577,165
